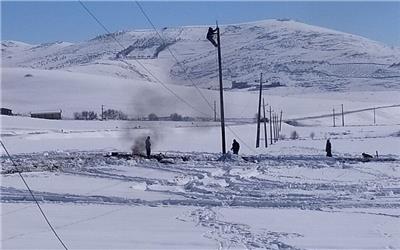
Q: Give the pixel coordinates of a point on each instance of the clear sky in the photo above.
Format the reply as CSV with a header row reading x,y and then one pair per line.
x,y
37,22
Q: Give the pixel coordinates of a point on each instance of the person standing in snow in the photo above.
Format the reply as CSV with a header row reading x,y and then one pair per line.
x,y
235,147
328,148
148,147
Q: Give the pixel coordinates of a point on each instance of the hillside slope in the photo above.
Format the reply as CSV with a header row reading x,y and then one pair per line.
x,y
301,57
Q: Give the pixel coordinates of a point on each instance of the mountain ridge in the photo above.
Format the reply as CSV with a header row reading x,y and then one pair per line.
x,y
294,54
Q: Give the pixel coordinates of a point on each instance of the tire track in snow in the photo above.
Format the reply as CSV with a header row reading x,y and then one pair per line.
x,y
205,181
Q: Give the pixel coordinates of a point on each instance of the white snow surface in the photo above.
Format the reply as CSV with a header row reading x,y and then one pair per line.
x,y
288,196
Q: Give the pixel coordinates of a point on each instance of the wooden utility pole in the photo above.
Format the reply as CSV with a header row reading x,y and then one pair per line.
x,y
210,36
374,117
270,124
221,92
342,116
334,119
265,126
276,127
215,111
273,127
259,114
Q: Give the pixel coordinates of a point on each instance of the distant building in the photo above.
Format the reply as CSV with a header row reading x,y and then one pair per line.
x,y
52,115
274,84
275,81
239,85
5,111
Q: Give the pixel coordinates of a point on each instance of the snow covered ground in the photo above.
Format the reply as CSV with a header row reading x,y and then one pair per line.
x,y
288,196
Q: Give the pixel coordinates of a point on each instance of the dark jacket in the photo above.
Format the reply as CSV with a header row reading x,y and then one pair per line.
x,y
148,143
328,147
235,146
210,36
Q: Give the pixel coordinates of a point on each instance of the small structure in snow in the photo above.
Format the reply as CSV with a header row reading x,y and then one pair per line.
x,y
6,111
239,85
52,115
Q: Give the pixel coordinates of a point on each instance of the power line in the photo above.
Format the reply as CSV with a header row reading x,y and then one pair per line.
x,y
147,70
34,198
138,62
172,54
346,113
184,69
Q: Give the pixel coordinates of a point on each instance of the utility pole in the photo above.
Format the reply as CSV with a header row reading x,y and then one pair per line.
x,y
270,123
374,117
210,36
102,112
215,111
265,126
273,127
221,92
342,116
259,114
334,120
276,127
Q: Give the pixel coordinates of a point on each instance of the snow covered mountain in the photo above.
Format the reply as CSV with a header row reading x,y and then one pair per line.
x,y
298,56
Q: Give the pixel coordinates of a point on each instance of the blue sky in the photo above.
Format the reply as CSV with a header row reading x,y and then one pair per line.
x,y
37,22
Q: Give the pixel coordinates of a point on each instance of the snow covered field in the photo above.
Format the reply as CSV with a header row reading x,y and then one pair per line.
x,y
289,196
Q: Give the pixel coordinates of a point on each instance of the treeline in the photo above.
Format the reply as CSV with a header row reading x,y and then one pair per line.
x,y
109,114
171,117
112,114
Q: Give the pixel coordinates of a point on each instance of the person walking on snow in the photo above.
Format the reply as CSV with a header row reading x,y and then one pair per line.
x,y
235,147
328,148
148,147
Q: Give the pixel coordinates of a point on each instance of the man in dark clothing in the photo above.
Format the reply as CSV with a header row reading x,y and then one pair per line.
x,y
328,148
148,147
210,36
235,147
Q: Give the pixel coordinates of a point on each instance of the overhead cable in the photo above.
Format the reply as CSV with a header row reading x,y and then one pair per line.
x,y
34,198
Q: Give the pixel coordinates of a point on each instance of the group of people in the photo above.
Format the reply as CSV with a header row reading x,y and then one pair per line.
x,y
328,149
235,147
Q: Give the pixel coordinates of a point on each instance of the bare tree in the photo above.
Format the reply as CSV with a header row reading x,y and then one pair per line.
x,y
153,117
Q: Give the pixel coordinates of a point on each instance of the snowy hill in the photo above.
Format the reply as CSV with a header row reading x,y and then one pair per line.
x,y
289,195
291,53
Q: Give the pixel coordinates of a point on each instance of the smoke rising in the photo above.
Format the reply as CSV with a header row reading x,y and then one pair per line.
x,y
138,142
154,99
